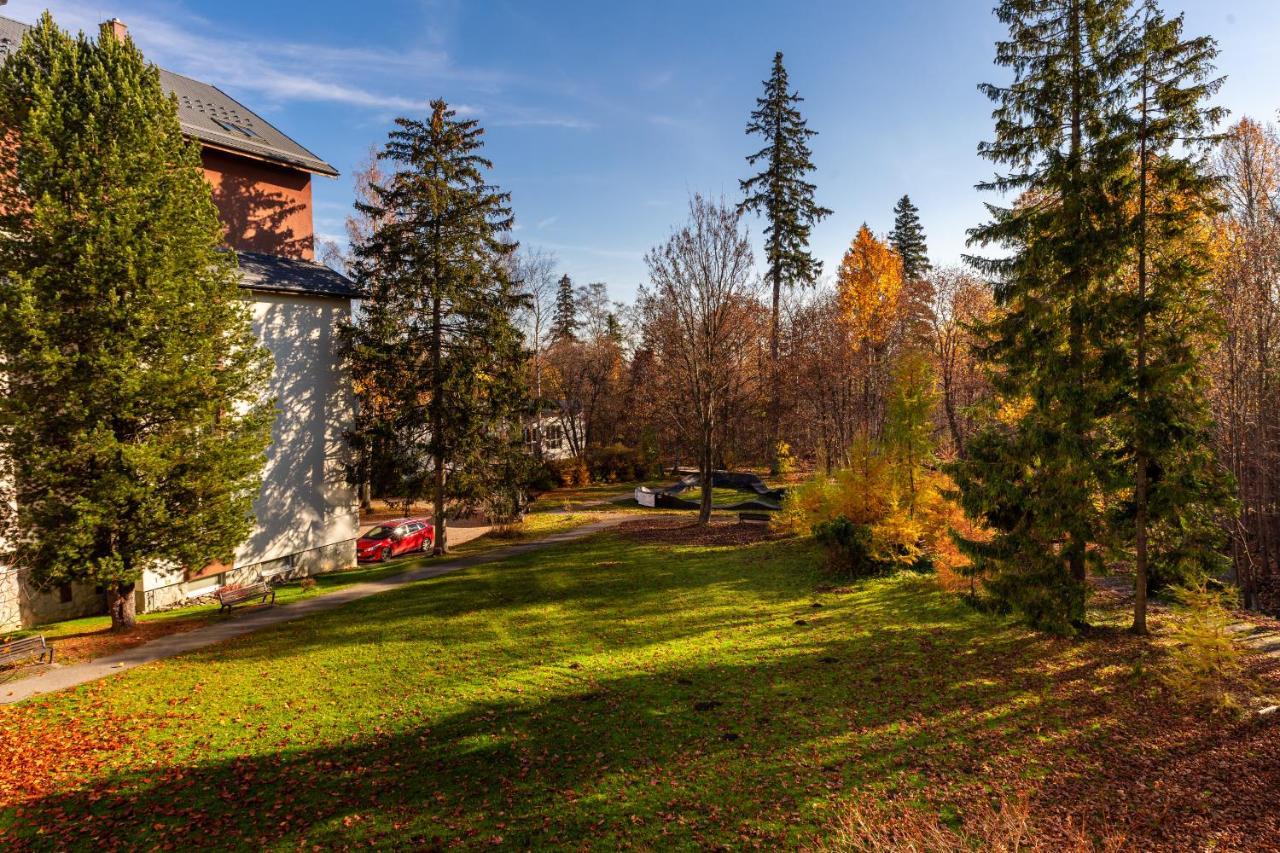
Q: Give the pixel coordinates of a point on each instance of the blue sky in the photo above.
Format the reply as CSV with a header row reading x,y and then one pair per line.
x,y
603,117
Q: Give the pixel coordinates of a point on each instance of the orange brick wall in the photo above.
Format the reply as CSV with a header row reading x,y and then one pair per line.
x,y
265,208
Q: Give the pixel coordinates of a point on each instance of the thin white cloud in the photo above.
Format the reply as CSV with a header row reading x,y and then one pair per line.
x,y
546,223
382,82
657,79
275,71
617,254
545,121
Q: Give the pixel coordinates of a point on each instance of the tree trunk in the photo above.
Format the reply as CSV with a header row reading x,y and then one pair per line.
x,y
704,508
440,546
1077,420
1140,571
1079,574
538,452
949,409
1141,485
775,413
121,606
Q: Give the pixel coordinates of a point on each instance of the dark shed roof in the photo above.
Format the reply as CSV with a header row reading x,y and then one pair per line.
x,y
273,274
211,116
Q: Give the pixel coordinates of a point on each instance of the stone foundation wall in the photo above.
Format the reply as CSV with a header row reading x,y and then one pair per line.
x,y
11,603
23,605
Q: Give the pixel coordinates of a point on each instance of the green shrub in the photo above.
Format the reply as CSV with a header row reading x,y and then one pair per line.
x,y
569,473
848,547
786,463
1205,659
615,463
545,478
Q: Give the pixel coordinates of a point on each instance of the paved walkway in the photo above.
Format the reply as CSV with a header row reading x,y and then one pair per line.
x,y
1263,639
247,621
607,499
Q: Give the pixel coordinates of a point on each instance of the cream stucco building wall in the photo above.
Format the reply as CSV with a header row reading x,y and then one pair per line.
x,y
306,513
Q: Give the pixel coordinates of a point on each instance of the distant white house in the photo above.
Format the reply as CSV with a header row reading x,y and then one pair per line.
x,y
551,429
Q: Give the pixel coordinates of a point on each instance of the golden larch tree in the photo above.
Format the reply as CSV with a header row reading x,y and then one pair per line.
x,y
869,286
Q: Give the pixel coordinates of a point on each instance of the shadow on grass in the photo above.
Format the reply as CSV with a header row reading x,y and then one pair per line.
x,y
593,728
573,588
720,749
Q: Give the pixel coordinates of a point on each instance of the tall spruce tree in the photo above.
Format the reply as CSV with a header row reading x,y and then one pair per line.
x,y
907,239
133,417
1178,491
436,335
564,318
783,194
1035,475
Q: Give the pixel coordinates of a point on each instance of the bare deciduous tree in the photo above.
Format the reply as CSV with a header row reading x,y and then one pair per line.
x,y
1246,393
533,273
959,300
359,225
702,278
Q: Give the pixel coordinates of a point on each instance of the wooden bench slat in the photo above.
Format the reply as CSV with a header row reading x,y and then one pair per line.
x,y
261,591
27,647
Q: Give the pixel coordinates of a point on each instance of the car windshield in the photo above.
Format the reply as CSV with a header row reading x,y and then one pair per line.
x,y
379,532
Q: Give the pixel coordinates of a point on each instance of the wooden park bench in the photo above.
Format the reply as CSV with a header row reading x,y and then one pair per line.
x,y
15,651
756,517
229,597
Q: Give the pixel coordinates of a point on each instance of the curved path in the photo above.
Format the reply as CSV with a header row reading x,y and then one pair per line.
x,y
244,622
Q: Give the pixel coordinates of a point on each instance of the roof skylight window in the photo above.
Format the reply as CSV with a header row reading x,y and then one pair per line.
x,y
232,127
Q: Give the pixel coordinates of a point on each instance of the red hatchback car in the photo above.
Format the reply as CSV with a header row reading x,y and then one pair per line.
x,y
392,538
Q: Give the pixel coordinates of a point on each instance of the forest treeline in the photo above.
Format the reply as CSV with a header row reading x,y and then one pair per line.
x,y
1091,389
1202,403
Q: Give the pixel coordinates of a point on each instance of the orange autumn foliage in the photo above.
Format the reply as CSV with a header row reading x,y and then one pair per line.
x,y
869,285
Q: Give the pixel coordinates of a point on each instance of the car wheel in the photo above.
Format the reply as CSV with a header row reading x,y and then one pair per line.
x,y
386,554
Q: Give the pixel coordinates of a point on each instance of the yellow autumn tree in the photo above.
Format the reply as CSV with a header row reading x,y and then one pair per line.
x,y
869,286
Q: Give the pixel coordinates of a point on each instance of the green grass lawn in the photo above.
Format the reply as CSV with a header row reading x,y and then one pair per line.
x,y
536,526
720,496
555,500
604,693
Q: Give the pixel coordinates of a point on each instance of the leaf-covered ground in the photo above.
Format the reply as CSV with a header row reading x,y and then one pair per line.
x,y
623,691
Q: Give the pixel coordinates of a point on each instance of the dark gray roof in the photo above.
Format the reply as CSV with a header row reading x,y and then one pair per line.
x,y
211,116
273,274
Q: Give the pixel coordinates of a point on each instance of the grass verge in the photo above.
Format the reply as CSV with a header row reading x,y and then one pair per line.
x,y
628,693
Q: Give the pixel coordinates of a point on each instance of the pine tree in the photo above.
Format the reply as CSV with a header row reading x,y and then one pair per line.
x,y
564,319
1036,474
613,328
907,239
1177,490
782,193
436,334
133,415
